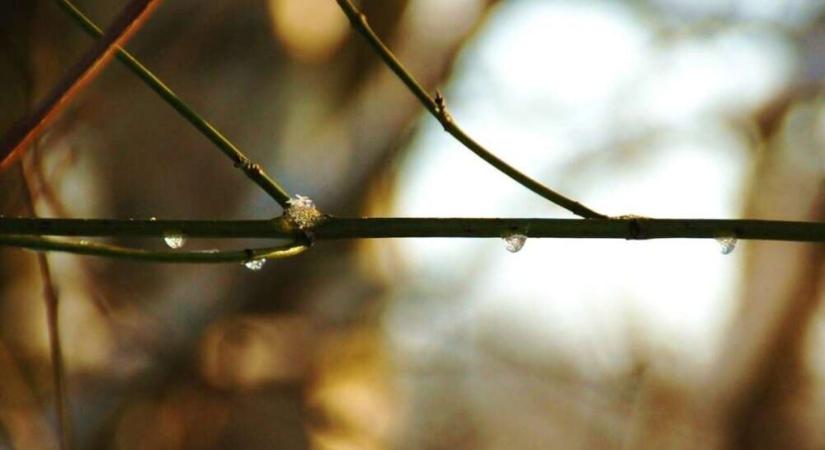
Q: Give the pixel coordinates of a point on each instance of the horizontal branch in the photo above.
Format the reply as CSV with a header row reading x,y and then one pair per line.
x,y
633,228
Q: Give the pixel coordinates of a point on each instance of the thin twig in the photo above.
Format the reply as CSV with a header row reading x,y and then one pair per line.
x,y
136,254
64,423
632,228
20,136
252,170
438,108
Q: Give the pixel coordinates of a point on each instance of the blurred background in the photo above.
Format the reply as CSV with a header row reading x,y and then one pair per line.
x,y
661,108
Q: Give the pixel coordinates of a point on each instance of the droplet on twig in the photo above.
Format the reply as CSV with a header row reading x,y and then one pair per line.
x,y
302,212
514,242
255,264
174,240
727,244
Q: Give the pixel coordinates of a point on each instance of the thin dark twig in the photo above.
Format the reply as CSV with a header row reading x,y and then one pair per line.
x,y
64,423
21,135
438,108
252,170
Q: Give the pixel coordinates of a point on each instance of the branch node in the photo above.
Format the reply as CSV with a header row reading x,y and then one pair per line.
x,y
302,212
241,162
309,236
634,225
440,101
442,114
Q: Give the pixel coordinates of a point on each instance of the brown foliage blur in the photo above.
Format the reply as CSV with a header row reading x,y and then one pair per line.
x,y
202,357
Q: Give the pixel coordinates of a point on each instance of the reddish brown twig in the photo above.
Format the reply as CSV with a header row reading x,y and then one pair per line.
x,y
18,138
53,324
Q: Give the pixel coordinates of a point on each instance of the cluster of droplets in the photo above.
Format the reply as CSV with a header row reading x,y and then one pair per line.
x,y
727,244
514,242
302,212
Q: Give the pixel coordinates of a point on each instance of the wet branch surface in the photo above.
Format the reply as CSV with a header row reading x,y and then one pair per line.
x,y
32,233
29,233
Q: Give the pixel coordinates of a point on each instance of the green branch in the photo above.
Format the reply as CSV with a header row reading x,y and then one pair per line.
x,y
358,228
252,170
114,251
438,108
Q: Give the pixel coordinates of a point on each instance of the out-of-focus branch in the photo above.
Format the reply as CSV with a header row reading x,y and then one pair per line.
x,y
438,108
252,170
759,415
53,324
21,135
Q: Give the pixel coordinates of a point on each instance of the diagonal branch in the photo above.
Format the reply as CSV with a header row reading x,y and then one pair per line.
x,y
21,135
53,324
438,108
253,171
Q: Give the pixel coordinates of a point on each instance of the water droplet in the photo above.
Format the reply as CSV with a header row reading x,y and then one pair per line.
x,y
153,218
255,264
302,212
174,240
728,244
514,242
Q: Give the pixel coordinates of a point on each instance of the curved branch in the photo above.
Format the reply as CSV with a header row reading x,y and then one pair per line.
x,y
134,254
438,108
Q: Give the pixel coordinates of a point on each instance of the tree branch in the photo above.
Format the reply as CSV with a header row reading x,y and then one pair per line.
x,y
20,136
52,302
438,108
252,170
135,254
631,228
